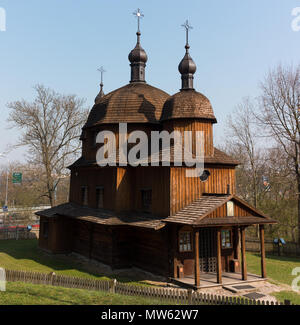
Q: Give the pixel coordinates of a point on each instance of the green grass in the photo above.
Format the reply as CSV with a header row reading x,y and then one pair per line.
x,y
19,293
24,255
294,297
279,268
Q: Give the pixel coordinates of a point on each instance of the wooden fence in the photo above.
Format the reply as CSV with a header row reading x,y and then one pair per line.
x,y
167,295
18,233
289,249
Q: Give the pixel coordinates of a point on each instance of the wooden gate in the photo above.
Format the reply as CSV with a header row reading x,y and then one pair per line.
x,y
208,250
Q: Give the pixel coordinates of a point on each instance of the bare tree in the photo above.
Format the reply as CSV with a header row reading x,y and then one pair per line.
x,y
51,127
242,136
279,115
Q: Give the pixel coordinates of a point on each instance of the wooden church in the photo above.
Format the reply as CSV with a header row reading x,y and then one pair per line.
x,y
154,217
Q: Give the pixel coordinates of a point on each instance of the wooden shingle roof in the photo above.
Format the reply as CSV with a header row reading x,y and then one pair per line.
x,y
103,217
219,158
188,104
196,213
134,103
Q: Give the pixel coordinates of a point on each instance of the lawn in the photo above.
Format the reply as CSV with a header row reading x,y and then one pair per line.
x,y
19,293
24,255
279,268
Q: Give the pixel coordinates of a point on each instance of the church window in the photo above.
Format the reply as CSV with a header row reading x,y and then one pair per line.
x,y
185,241
226,238
45,229
146,200
84,195
100,197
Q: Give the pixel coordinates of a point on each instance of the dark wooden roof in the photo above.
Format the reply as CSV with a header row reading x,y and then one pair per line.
x,y
219,158
103,217
133,103
188,104
196,213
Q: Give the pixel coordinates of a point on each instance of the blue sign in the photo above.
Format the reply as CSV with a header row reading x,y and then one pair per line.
x,y
5,208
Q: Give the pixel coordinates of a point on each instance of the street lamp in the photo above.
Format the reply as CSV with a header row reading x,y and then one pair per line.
x,y
2,154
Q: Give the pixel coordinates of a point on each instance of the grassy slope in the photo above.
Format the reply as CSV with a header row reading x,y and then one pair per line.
x,y
18,293
25,255
279,270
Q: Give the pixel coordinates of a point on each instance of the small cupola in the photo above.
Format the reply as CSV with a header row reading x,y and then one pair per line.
x,y
101,92
138,56
187,66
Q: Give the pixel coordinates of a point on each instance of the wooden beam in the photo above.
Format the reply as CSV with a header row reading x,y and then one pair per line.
x,y
219,260
262,251
236,243
243,255
197,265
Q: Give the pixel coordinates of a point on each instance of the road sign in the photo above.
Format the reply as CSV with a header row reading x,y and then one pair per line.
x,y
17,178
5,208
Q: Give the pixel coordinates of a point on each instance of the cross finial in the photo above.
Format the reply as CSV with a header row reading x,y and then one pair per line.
x,y
101,70
139,15
187,27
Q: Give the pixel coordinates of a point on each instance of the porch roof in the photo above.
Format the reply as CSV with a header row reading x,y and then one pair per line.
x,y
104,217
197,213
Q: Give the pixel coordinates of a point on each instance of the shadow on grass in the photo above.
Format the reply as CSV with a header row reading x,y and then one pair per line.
x,y
28,250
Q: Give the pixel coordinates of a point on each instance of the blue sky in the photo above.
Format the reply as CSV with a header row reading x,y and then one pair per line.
x,y
61,43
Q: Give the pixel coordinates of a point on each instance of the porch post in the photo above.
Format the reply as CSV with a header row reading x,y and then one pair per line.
x,y
243,251
219,261
236,243
196,258
262,251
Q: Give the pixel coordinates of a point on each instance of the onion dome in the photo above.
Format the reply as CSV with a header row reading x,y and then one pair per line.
x,y
138,56
100,95
187,68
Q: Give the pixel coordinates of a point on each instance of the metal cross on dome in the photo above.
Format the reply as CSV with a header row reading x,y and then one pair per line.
x,y
139,15
101,70
187,27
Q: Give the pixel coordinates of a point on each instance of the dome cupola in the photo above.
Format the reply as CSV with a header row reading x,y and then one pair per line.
x,y
187,66
138,56
101,92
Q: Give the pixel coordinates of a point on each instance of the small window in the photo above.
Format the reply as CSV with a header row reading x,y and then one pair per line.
x,y
45,229
230,209
226,239
146,200
185,241
100,197
84,195
205,175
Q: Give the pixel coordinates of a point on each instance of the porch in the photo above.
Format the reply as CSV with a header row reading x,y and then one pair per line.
x,y
209,280
221,278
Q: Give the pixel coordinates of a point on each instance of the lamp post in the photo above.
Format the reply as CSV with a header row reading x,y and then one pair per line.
x,y
2,154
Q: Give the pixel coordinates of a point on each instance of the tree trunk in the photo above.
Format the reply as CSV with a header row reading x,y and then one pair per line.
x,y
298,199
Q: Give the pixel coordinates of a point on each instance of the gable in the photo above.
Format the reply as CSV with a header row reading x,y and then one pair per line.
x,y
211,209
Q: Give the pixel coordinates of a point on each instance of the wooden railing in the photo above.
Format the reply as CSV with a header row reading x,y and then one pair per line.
x,y
167,295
